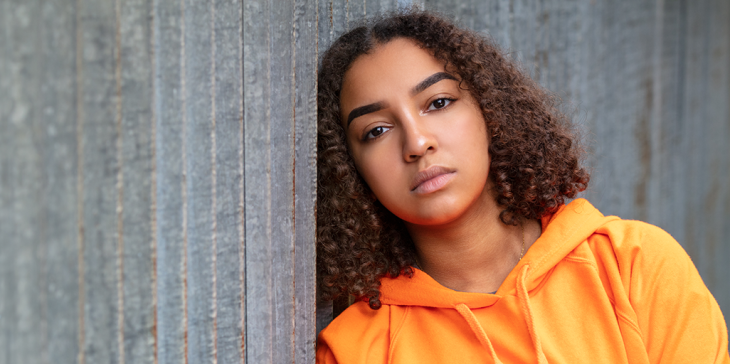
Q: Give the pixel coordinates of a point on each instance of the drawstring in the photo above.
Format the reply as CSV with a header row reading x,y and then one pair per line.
x,y
527,312
524,300
477,329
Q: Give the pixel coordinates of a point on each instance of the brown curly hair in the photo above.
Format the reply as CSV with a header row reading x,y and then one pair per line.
x,y
535,164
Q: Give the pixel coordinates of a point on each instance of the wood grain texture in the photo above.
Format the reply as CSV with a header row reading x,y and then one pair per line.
x,y
26,315
99,139
58,144
198,150
707,125
135,160
281,146
6,198
305,177
228,97
170,236
257,181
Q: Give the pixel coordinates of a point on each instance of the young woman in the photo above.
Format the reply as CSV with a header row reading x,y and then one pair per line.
x,y
443,177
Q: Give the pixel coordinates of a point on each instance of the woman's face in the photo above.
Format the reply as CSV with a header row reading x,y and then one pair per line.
x,y
417,139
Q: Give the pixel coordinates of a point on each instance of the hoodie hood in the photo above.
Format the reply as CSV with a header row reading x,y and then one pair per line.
x,y
591,289
562,232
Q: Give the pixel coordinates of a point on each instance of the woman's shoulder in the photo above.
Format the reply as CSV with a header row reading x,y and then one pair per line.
x,y
358,335
639,252
656,287
637,238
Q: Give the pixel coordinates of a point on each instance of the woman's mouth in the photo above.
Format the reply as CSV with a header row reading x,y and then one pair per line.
x,y
431,179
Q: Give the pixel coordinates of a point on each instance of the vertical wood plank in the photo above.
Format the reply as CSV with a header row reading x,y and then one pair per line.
x,y
305,176
198,150
281,146
707,118
257,182
57,123
668,184
695,117
5,185
325,26
28,342
325,37
14,114
134,70
171,328
719,106
99,194
228,94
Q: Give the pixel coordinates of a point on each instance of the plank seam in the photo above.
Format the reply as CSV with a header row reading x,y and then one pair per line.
x,y
153,185
120,181
214,222
268,237
294,179
79,179
184,191
241,206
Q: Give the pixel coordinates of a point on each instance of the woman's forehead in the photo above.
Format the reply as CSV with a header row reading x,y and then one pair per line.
x,y
394,67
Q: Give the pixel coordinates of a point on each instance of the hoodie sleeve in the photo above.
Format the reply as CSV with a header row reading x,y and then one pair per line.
x,y
324,353
677,316
358,335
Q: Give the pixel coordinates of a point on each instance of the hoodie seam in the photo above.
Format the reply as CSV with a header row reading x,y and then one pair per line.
x,y
557,247
619,313
631,323
583,261
396,333
568,237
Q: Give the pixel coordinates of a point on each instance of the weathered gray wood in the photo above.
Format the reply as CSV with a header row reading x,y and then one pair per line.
x,y
719,81
9,130
281,146
28,340
623,113
134,74
56,121
170,234
228,109
707,127
305,177
199,154
668,183
99,140
6,198
257,181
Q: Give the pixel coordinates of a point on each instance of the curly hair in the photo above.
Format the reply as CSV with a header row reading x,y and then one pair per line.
x,y
535,164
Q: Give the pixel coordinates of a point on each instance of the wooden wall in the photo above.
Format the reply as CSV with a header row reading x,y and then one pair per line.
x,y
157,158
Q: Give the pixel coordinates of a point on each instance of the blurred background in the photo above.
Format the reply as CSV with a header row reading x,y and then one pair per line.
x,y
157,158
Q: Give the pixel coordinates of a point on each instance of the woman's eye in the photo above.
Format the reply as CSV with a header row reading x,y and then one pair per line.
x,y
439,104
375,132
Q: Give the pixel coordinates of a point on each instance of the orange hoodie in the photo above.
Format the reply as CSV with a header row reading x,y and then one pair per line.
x,y
591,289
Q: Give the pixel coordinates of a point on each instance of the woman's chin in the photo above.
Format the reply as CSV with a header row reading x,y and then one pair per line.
x,y
433,217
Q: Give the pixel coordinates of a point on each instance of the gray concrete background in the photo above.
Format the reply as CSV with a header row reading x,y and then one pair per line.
x,y
157,158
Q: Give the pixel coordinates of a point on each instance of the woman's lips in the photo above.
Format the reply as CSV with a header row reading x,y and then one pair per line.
x,y
431,179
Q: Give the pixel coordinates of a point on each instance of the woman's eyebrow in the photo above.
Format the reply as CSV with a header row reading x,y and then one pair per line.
x,y
362,110
436,77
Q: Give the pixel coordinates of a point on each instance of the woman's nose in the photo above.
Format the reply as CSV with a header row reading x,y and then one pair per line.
x,y
417,139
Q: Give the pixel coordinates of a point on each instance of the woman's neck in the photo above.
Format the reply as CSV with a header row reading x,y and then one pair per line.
x,y
476,252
